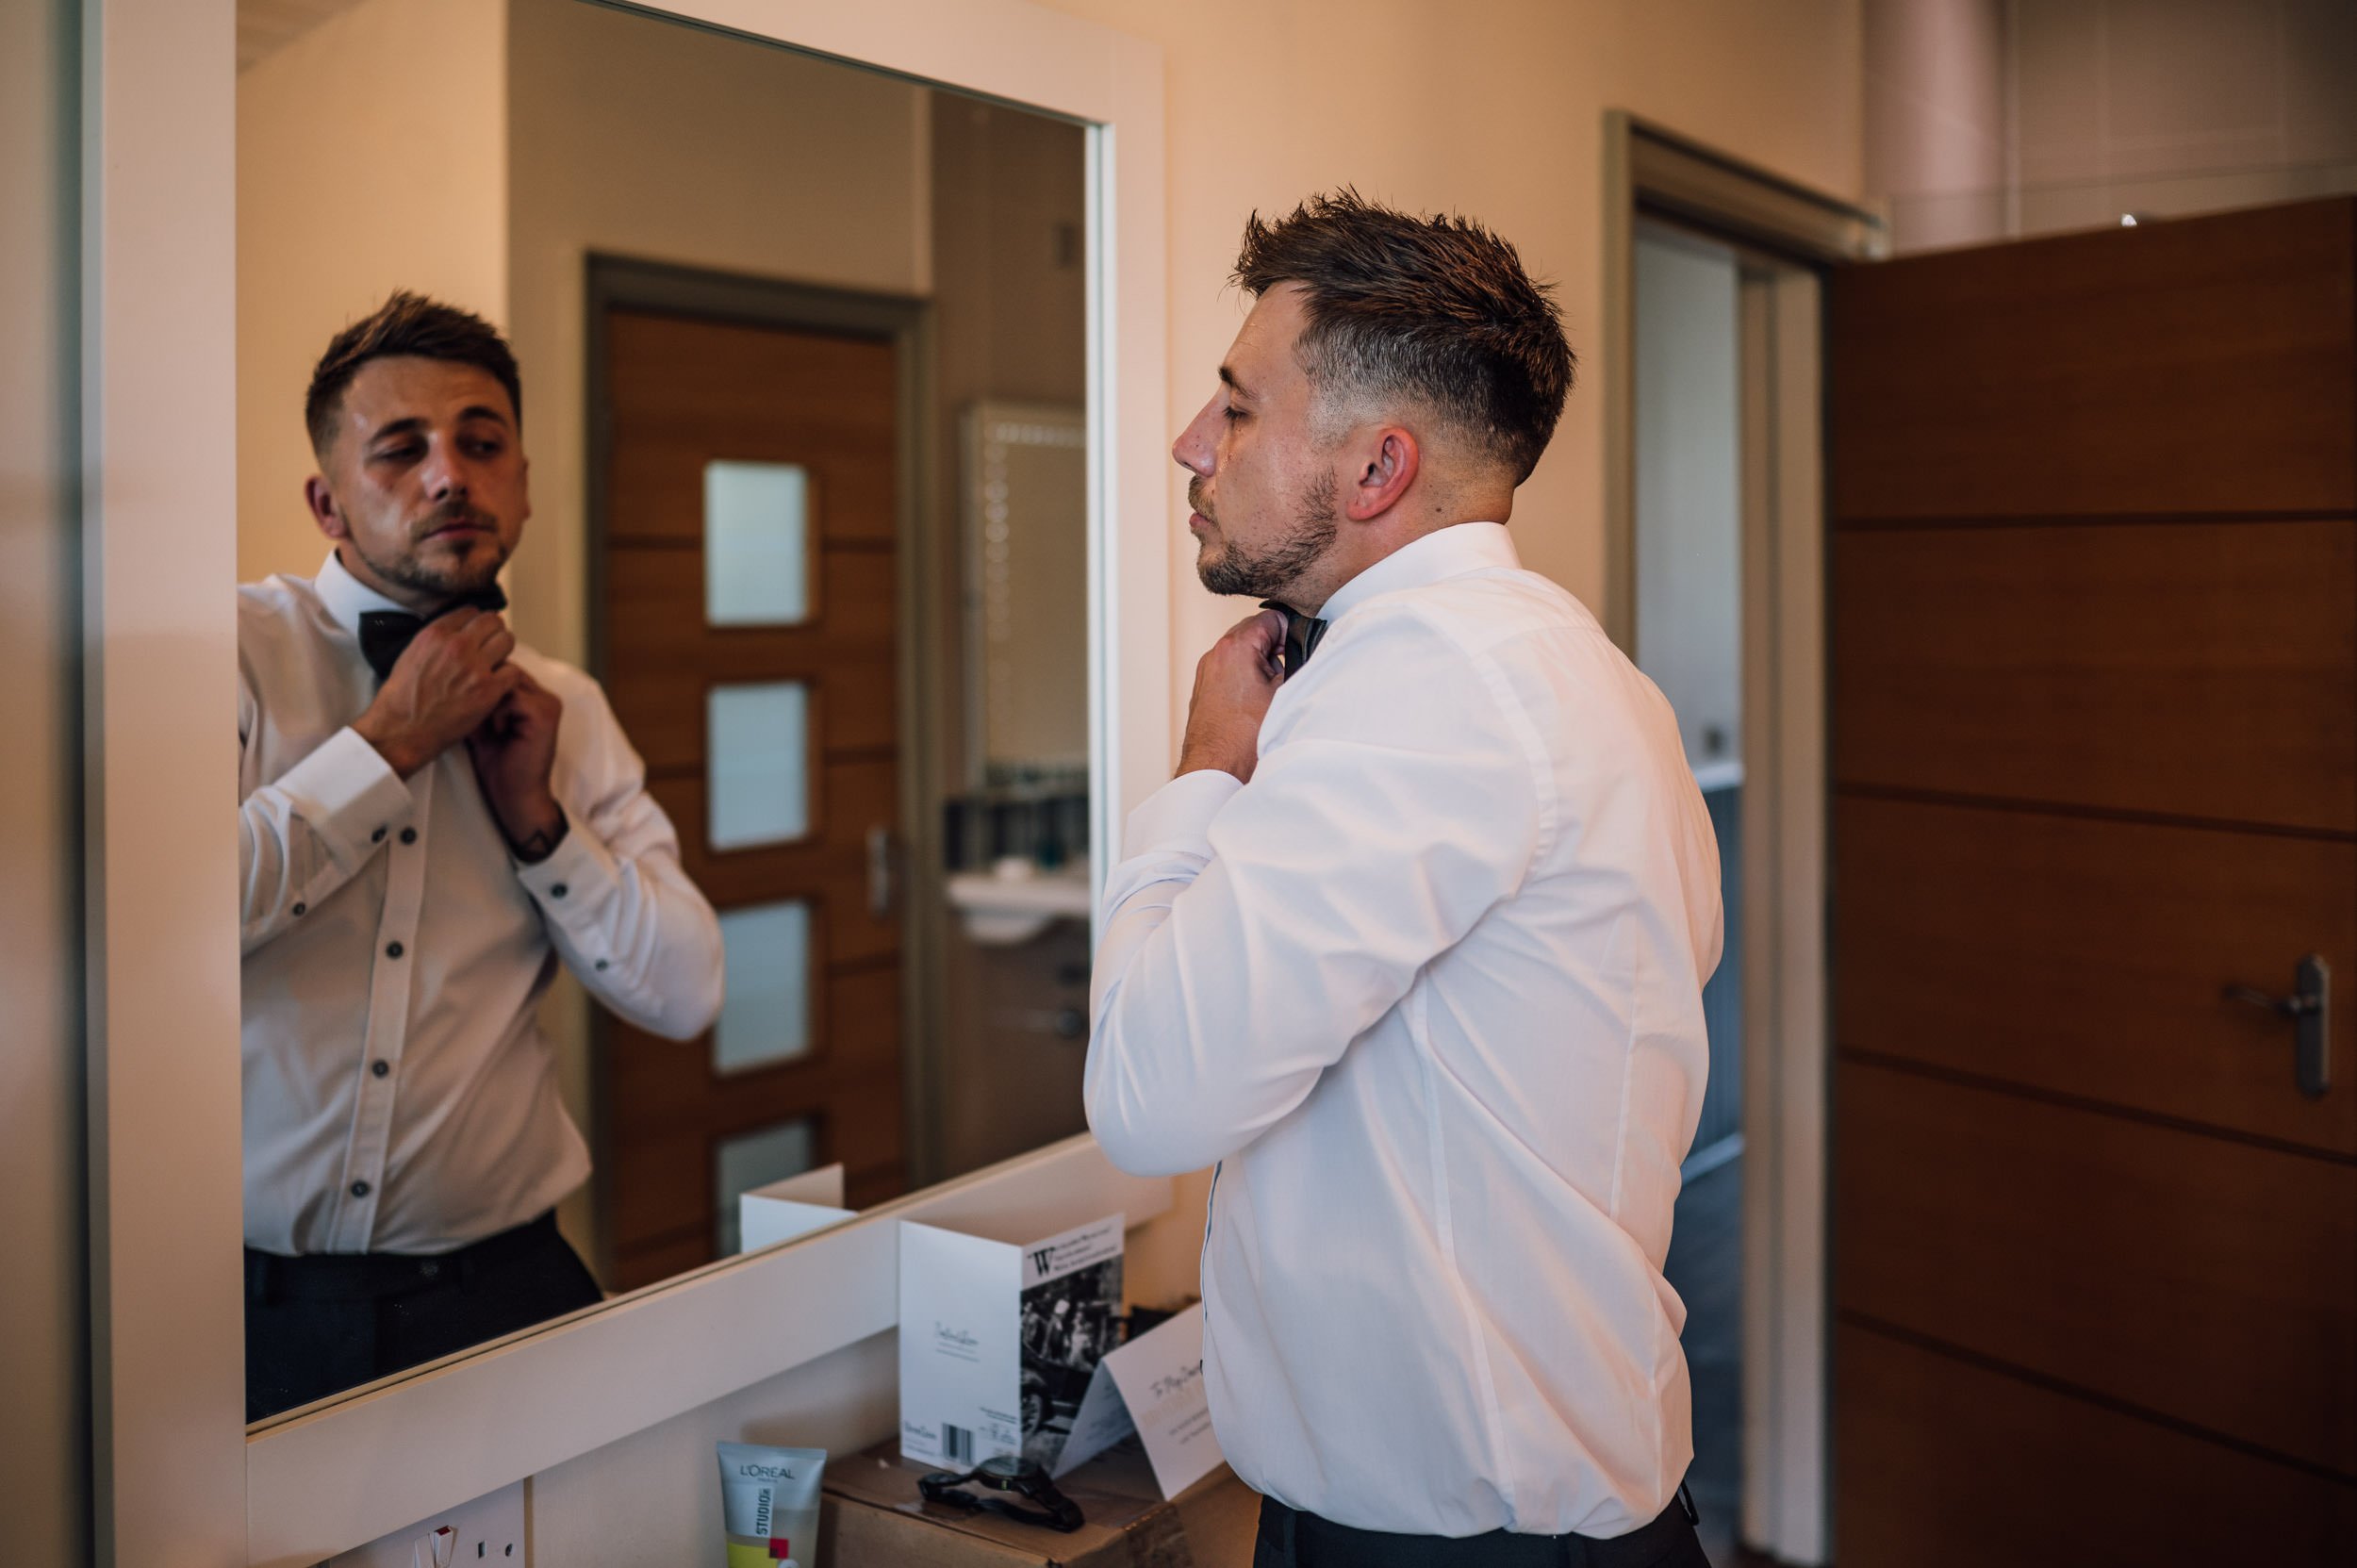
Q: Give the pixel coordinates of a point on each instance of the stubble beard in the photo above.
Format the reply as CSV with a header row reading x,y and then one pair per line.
x,y
1268,572
472,575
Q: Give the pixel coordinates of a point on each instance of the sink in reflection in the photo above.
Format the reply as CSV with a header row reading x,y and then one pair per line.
x,y
1016,901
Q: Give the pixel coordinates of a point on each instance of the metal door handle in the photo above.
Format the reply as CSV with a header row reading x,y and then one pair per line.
x,y
880,878
2310,1009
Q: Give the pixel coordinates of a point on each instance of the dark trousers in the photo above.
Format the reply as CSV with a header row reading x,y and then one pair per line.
x,y
317,1324
1291,1538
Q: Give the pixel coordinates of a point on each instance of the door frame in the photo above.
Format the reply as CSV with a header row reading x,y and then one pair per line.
x,y
177,1476
1652,171
907,323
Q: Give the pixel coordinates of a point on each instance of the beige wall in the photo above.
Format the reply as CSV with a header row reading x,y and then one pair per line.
x,y
43,1364
1497,110
358,173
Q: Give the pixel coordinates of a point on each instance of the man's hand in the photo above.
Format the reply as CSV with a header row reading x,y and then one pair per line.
x,y
514,750
1233,684
445,683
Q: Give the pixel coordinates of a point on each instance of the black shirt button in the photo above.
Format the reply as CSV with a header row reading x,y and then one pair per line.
x,y
408,835
377,838
392,950
558,891
300,908
359,1189
601,962
380,1068
429,1269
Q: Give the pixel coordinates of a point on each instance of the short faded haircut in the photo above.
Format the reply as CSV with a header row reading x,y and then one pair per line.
x,y
412,326
1437,311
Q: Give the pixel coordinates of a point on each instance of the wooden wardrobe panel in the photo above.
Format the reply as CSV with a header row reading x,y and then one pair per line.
x,y
2196,669
1940,1464
2086,957
2195,365
2097,1250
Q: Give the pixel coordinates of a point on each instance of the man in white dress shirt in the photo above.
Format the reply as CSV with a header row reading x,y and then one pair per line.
x,y
431,818
1413,946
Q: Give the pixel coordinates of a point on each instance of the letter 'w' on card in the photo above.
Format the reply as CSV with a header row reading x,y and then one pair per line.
x,y
1159,1376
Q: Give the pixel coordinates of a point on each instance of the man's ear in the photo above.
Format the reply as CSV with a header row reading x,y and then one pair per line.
x,y
1386,470
321,501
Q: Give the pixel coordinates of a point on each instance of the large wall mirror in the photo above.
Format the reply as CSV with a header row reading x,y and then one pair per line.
x,y
804,351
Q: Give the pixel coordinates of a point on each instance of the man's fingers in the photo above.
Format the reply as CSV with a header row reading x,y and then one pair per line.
x,y
1264,627
498,646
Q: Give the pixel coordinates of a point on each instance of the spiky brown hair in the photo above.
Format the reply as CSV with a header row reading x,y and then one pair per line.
x,y
406,323
1437,309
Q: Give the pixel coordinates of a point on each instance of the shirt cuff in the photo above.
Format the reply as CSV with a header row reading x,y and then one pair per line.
x,y
1179,815
566,885
348,793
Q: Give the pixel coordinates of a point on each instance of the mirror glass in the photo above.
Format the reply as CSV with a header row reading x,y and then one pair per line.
x,y
802,351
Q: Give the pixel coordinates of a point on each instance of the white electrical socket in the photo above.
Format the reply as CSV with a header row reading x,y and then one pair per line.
x,y
486,1533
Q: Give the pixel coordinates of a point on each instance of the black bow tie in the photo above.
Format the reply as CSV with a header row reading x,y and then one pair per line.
x,y
1301,636
386,635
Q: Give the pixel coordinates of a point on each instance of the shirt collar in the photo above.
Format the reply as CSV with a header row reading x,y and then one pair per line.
x,y
1444,552
347,597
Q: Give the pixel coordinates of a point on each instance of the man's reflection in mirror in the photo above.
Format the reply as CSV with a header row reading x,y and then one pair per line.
x,y
431,818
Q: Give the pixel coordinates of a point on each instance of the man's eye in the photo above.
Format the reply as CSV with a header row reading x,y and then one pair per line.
x,y
484,449
1233,414
408,453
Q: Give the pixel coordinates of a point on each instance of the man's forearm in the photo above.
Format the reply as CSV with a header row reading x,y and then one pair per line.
x,y
633,929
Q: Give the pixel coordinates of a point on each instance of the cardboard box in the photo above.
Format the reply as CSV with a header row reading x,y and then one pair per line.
x,y
873,1518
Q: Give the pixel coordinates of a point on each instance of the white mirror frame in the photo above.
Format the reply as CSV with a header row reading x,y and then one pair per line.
x,y
177,1476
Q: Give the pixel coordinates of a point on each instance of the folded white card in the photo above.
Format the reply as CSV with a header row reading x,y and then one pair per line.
x,y
1155,1382
998,1342
794,1206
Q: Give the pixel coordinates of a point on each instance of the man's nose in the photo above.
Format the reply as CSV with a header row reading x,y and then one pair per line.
x,y
445,472
1197,445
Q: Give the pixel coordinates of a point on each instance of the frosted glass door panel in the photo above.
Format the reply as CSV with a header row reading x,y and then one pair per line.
x,y
766,1019
756,544
755,1160
757,764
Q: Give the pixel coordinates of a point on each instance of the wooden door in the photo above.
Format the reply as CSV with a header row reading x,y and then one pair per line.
x,y
748,620
2094,752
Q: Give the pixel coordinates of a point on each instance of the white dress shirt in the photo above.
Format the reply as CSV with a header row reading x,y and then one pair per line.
x,y
1430,988
398,1094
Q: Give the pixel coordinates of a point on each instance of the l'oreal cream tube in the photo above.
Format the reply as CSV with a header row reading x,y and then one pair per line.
x,y
770,1505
